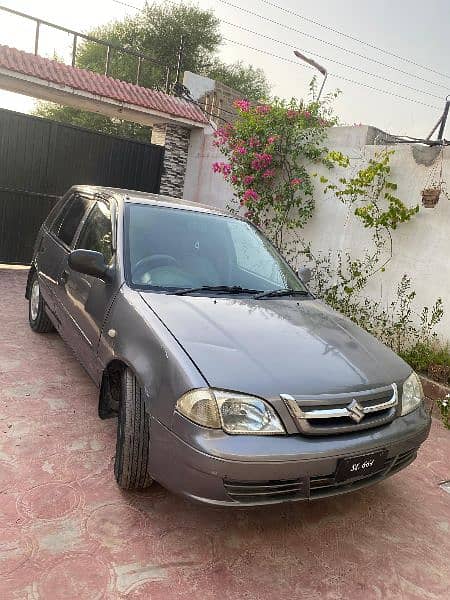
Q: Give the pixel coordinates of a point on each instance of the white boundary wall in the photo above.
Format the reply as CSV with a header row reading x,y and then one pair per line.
x,y
421,247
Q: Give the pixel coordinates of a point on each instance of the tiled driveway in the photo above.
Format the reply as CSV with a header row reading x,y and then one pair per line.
x,y
67,532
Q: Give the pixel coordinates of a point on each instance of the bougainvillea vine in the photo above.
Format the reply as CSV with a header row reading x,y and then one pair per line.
x,y
269,149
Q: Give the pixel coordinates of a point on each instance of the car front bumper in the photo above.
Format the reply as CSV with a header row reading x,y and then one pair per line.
x,y
211,467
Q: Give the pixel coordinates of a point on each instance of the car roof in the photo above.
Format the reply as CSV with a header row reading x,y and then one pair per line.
x,y
135,197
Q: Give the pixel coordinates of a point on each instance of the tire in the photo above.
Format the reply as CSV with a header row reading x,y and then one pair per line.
x,y
133,436
37,317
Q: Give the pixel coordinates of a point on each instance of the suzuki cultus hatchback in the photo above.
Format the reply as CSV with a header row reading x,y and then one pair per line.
x,y
231,383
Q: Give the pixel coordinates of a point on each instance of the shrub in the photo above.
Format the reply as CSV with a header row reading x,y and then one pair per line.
x,y
423,354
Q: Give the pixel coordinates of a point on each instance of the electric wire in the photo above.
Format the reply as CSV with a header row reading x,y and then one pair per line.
x,y
292,45
298,63
288,27
353,38
337,76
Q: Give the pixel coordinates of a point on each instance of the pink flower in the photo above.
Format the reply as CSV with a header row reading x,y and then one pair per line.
x,y
261,161
248,179
234,179
253,142
220,167
250,195
248,215
243,105
263,109
268,173
240,150
222,134
272,139
296,181
291,113
306,114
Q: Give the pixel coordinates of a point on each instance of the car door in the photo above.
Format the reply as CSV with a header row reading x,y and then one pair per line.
x,y
53,249
86,298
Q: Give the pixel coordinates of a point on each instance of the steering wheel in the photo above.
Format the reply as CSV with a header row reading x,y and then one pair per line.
x,y
151,262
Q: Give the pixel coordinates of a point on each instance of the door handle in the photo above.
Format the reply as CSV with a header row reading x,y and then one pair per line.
x,y
63,277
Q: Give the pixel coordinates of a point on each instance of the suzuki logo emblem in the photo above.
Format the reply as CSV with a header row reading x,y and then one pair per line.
x,y
355,411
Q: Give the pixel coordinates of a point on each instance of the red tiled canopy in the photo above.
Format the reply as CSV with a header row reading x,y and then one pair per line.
x,y
101,85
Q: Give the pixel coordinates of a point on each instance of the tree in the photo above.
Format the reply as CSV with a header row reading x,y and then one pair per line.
x,y
90,120
156,31
248,80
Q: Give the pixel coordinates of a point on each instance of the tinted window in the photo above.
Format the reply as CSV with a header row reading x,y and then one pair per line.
x,y
177,248
54,212
56,223
96,234
73,214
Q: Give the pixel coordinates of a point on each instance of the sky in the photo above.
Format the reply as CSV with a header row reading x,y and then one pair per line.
x,y
413,30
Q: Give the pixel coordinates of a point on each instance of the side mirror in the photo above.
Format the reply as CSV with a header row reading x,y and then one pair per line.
x,y
89,262
304,274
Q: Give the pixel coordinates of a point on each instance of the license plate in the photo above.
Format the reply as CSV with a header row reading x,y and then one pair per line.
x,y
360,466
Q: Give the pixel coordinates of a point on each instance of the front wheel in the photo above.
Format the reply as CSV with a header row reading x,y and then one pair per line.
x,y
133,436
37,317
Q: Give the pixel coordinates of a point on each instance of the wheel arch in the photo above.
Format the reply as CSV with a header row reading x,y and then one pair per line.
x,y
31,273
108,400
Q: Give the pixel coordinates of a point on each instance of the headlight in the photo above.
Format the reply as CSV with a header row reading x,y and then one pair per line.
x,y
234,413
412,395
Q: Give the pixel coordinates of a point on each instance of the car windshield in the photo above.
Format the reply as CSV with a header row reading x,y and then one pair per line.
x,y
173,249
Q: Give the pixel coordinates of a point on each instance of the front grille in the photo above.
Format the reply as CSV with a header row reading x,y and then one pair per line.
x,y
266,491
343,413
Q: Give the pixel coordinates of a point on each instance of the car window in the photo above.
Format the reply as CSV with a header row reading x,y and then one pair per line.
x,y
175,248
56,222
96,233
254,254
55,211
71,218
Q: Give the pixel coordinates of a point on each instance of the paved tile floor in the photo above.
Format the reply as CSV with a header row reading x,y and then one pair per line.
x,y
67,532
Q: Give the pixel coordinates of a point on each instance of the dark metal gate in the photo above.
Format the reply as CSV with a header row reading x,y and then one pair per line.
x,y
40,159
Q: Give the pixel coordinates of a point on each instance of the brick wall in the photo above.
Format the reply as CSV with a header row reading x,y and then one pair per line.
x,y
219,102
175,139
214,97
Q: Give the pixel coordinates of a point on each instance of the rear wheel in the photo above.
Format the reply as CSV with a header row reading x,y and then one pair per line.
x,y
37,317
133,436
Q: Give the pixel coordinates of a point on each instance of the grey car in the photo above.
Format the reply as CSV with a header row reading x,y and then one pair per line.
x,y
231,383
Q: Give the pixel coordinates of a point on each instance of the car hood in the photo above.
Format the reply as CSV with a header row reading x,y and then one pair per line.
x,y
273,346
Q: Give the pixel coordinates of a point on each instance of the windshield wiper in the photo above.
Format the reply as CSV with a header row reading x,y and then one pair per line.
x,y
226,289
282,292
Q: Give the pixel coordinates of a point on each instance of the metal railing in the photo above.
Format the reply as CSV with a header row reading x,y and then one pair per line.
x,y
110,47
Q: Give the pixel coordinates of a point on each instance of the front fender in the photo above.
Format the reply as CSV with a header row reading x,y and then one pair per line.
x,y
134,335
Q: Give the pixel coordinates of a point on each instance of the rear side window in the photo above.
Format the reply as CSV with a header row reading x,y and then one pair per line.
x,y
54,212
97,233
73,214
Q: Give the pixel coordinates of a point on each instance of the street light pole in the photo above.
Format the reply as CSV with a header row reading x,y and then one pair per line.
x,y
316,65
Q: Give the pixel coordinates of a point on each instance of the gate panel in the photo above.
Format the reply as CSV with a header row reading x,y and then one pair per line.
x,y
40,159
